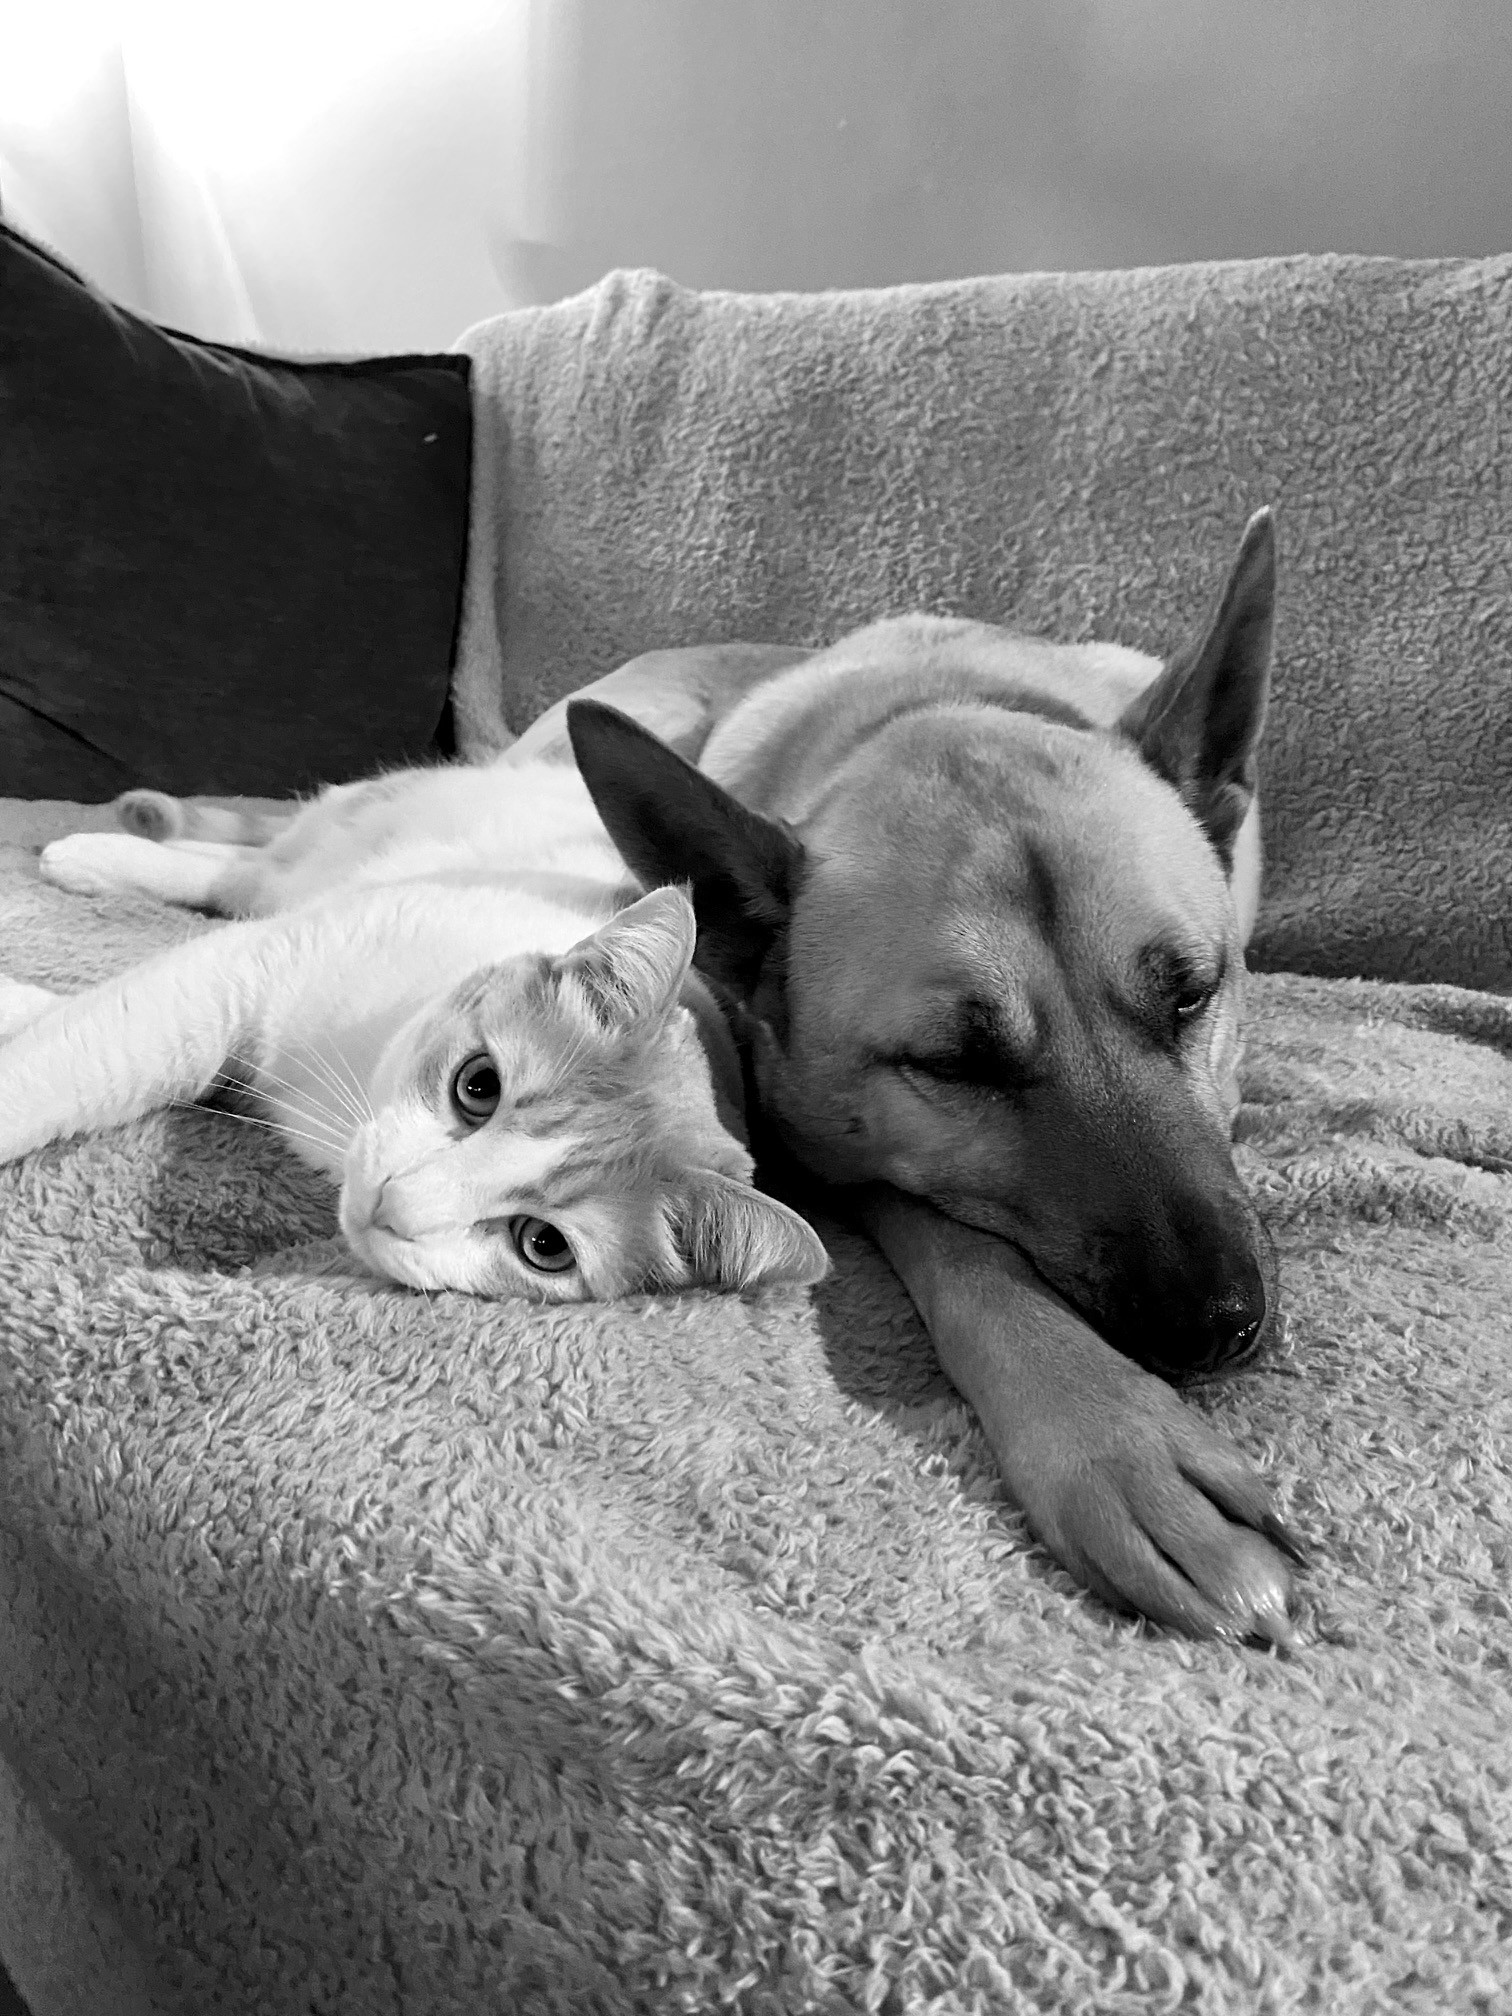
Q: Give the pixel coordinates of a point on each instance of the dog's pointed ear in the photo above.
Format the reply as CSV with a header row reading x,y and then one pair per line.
x,y
1199,724
673,824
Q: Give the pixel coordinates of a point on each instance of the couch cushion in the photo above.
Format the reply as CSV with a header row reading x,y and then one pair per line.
x,y
218,571
1074,454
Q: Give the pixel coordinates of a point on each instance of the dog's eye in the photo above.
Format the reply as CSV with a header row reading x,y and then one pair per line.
x,y
1178,984
475,1090
542,1247
941,1070
993,1075
973,1054
1192,998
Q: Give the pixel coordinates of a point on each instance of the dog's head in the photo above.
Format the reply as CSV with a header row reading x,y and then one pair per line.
x,y
1001,969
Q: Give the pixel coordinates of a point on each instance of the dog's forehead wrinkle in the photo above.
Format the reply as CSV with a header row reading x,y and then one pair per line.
x,y
941,760
996,981
972,748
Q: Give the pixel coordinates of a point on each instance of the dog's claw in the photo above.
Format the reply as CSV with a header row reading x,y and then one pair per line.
x,y
1259,1596
1280,1535
1272,1624
1272,1629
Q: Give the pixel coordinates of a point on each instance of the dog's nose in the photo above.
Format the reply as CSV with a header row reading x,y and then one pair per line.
x,y
1232,1320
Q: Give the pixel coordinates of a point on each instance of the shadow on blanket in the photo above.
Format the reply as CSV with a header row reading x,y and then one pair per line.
x,y
381,1653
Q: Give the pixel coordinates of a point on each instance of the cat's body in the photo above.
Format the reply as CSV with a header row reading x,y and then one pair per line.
x,y
396,936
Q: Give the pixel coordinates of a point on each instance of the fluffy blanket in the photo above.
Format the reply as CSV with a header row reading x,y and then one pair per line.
x,y
366,1653
1074,454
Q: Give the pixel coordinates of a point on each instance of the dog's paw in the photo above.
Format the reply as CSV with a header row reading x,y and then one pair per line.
x,y
90,864
151,815
21,1004
1158,1513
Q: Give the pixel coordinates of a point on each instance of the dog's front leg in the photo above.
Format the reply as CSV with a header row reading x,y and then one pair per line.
x,y
1129,1489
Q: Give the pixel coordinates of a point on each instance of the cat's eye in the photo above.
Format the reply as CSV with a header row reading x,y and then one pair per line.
x,y
475,1090
541,1246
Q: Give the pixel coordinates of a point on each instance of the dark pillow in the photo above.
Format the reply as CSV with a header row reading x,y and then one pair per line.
x,y
219,571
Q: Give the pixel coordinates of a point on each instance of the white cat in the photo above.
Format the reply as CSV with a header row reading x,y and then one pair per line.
x,y
518,1084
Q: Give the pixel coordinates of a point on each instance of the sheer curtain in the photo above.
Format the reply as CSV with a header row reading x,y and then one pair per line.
x,y
305,175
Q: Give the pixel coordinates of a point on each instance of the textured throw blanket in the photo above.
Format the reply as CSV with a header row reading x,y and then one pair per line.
x,y
1068,453
367,1653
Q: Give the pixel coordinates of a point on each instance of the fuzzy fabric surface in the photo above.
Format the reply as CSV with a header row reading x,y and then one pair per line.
x,y
370,1653
1072,454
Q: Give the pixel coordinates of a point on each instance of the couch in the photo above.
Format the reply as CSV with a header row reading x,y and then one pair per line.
x,y
365,1653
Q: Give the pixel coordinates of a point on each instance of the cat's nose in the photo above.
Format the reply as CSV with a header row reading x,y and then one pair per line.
x,y
404,1216
385,1213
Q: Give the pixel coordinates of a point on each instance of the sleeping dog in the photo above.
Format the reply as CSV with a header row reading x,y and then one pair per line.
x,y
979,903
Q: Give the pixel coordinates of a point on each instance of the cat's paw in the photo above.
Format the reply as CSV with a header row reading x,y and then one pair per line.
x,y
104,864
21,1004
92,864
151,815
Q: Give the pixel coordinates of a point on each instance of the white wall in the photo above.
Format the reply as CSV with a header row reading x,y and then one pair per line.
x,y
381,174
811,143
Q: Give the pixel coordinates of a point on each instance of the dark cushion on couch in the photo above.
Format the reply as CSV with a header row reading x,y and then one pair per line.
x,y
219,571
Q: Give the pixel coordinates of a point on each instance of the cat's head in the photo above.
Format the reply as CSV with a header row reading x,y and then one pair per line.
x,y
549,1130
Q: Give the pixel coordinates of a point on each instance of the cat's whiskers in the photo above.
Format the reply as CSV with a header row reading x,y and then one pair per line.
x,y
328,1144
360,1091
335,1075
258,1076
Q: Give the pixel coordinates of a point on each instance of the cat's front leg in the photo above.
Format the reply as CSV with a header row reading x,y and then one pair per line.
x,y
155,1036
21,1004
193,873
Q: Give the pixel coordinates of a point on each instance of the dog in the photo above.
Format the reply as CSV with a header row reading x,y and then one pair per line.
x,y
978,904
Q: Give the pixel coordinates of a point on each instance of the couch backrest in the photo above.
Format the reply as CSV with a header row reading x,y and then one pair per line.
x,y
1072,454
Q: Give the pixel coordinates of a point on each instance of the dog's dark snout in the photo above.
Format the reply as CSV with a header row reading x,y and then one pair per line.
x,y
1232,1320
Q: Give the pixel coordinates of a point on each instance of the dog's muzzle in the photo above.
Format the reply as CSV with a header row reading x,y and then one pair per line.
x,y
1189,1292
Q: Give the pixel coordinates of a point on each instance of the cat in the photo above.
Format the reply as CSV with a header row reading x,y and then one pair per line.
x,y
439,991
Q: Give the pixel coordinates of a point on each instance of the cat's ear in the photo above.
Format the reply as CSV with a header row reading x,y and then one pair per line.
x,y
732,1236
632,968
673,824
1199,724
